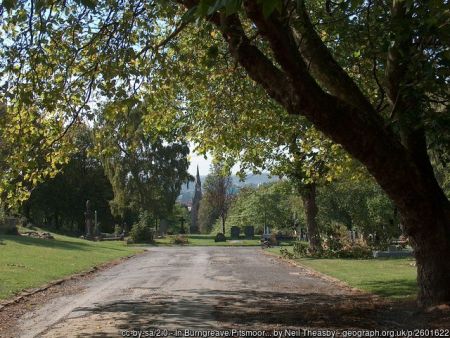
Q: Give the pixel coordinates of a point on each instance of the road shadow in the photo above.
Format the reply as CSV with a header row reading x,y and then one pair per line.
x,y
245,309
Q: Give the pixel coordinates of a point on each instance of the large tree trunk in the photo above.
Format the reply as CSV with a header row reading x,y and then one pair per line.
x,y
403,171
426,211
427,223
308,193
432,252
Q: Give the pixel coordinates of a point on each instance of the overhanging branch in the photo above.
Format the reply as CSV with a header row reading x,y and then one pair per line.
x,y
323,66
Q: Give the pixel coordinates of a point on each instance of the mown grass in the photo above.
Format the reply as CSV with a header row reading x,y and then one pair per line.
x,y
391,278
30,262
208,240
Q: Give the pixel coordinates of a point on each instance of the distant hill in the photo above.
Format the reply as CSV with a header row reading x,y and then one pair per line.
x,y
254,180
187,192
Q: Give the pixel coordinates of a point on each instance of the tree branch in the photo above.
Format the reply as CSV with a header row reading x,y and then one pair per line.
x,y
403,97
171,36
323,66
361,132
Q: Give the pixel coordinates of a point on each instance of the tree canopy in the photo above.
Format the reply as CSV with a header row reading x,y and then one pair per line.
x,y
146,169
269,205
217,198
60,202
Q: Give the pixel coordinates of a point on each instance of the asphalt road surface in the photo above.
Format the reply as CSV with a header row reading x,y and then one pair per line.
x,y
203,288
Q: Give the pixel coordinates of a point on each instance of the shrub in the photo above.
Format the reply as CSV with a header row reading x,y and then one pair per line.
x,y
332,244
301,249
273,239
286,254
23,221
339,245
220,237
358,249
142,231
333,248
180,240
117,229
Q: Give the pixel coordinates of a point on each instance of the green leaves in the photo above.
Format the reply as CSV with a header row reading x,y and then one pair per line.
x,y
88,3
269,6
28,152
213,52
219,4
232,6
209,7
354,4
271,204
204,7
9,4
145,166
190,14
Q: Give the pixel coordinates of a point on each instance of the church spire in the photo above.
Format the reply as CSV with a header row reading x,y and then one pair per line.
x,y
198,183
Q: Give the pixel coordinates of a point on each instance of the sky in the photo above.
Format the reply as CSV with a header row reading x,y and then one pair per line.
x,y
203,164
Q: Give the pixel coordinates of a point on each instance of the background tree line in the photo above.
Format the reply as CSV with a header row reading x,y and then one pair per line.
x,y
351,202
123,172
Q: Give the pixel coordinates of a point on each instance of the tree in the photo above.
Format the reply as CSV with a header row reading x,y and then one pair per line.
x,y
218,194
327,95
306,173
207,216
146,170
60,201
268,204
385,103
179,219
358,204
273,141
30,152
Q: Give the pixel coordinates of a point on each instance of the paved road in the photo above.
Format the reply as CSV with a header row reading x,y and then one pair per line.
x,y
199,288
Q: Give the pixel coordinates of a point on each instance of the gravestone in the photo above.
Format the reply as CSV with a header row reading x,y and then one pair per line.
x,y
97,231
163,227
393,253
235,232
182,230
249,231
88,219
9,226
266,234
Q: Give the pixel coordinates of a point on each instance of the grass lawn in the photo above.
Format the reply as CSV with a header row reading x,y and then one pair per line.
x,y
30,262
392,278
208,240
